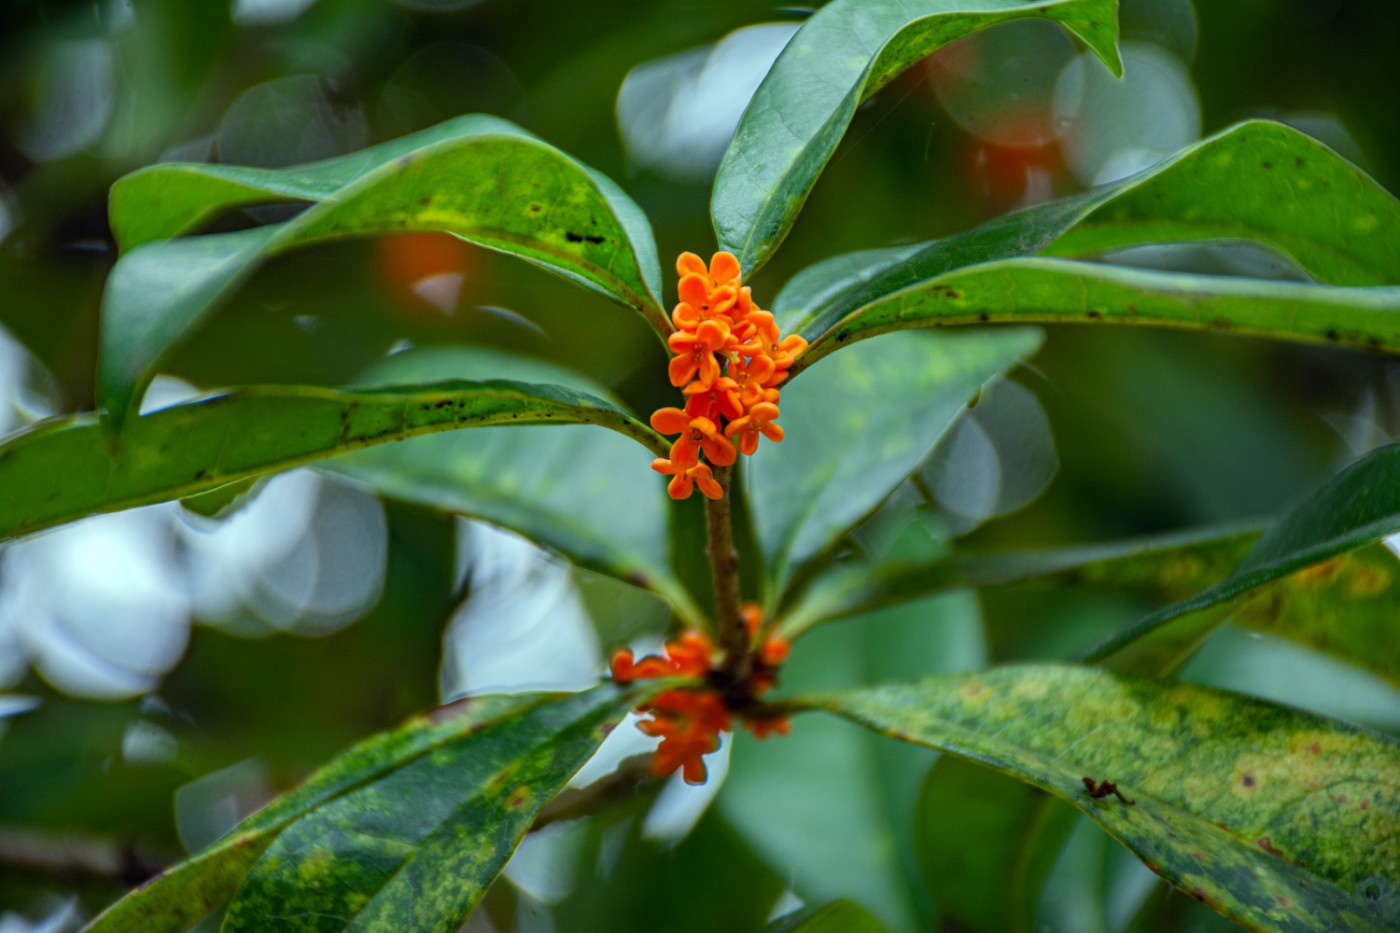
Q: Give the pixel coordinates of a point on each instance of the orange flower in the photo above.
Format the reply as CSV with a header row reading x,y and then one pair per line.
x,y
689,720
759,420
688,724
729,358
688,656
695,353
686,480
723,268
696,434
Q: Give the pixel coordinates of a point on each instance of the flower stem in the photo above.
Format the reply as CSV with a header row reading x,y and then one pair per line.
x,y
724,566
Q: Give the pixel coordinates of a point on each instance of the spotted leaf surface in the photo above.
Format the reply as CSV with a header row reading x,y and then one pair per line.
x,y
1355,508
488,182
883,405
66,469
171,199
843,54
417,848
1278,819
1289,193
179,896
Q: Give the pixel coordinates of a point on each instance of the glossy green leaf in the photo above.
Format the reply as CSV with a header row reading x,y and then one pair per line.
x,y
170,199
494,186
66,469
483,731
882,406
842,55
589,494
1308,203
416,848
986,844
1358,506
1062,291
1276,818
837,917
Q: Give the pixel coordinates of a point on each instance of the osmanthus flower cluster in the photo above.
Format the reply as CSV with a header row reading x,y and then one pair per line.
x,y
729,360
688,720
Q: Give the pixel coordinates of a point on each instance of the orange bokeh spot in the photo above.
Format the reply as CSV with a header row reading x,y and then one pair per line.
x,y
425,273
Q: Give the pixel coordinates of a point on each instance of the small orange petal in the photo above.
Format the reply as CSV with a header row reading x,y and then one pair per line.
x,y
690,264
682,369
669,421
724,268
719,451
695,290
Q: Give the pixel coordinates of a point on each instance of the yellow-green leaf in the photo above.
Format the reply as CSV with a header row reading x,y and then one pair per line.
x,y
488,183
179,896
1278,819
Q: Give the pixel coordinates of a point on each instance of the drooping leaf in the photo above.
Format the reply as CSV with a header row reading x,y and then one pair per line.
x,y
1288,193
417,848
1358,506
1276,818
65,469
857,431
545,737
837,917
487,182
986,844
842,55
171,199
588,494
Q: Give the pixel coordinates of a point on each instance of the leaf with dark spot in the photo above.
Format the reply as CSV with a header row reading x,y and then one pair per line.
x,y
1181,753
544,738
65,469
1355,508
479,171
1319,226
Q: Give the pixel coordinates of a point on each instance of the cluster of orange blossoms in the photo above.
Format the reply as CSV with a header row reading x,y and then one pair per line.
x,y
689,721
729,360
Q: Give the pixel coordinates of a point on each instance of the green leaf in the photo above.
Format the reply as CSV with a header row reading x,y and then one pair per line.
x,y
1309,204
588,494
1358,506
980,832
842,55
1062,291
1276,818
500,731
171,199
66,469
1346,607
856,431
837,917
1173,564
493,186
416,848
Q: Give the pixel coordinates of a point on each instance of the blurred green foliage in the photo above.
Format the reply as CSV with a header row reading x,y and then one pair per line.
x,y
1154,430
